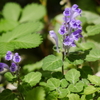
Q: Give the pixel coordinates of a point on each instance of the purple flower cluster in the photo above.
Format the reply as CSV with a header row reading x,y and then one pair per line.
x,y
15,60
71,28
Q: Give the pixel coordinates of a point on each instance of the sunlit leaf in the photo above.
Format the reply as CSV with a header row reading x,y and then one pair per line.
x,y
32,78
32,12
11,11
51,63
72,76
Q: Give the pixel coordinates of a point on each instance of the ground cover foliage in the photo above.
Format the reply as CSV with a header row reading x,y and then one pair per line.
x,y
69,63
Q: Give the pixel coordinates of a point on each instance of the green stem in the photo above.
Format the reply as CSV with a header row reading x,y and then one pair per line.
x,y
18,79
63,64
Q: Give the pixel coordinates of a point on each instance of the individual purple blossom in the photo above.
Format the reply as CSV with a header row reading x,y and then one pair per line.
x,y
69,41
73,23
8,55
62,30
67,12
13,67
16,58
74,7
55,37
76,13
2,66
76,34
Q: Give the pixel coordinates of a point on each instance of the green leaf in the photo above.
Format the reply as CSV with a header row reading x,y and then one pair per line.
x,y
52,95
85,46
94,79
7,95
11,11
73,97
33,12
21,30
85,71
9,76
72,76
93,30
98,98
53,83
64,83
28,41
93,19
93,55
37,93
62,92
6,25
32,78
51,63
85,82
83,97
32,67
57,75
89,90
21,37
78,87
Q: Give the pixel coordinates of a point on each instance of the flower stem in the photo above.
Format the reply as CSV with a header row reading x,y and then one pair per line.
x,y
18,84
63,64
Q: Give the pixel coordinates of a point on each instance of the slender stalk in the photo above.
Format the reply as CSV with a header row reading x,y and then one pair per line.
x,y
63,64
18,79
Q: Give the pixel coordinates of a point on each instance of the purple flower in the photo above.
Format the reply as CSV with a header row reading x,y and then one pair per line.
x,y
2,66
69,41
62,30
66,19
54,36
67,12
13,67
76,34
73,23
16,58
74,7
8,55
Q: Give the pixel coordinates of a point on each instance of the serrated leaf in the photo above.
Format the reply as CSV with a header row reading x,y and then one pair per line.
x,y
51,63
83,97
89,90
52,96
32,67
93,55
62,92
7,95
32,78
72,76
85,82
73,97
37,93
57,75
9,76
21,30
6,25
94,79
11,11
85,46
64,83
85,71
53,83
33,12
4,47
28,41
78,87
93,19
93,30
